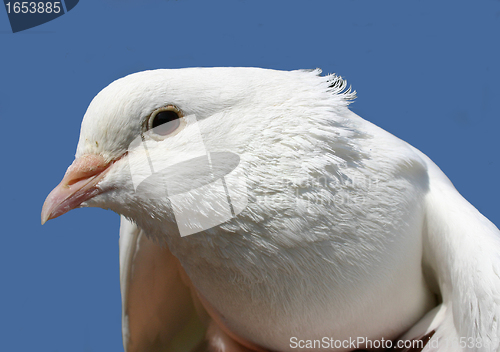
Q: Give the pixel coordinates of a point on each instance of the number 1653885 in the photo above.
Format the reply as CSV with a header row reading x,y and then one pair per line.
x,y
33,7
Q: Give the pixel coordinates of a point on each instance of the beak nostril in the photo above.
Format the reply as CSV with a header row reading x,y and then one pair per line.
x,y
72,181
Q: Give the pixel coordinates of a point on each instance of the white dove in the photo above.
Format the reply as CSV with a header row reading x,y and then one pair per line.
x,y
340,236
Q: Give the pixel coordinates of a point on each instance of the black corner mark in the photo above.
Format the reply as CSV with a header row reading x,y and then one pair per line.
x,y
28,14
70,4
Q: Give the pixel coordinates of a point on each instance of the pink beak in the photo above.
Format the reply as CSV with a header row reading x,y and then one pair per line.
x,y
78,185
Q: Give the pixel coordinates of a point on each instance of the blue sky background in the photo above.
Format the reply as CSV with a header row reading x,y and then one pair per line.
x,y
427,71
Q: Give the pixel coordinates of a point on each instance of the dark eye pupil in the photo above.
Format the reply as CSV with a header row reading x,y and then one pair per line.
x,y
164,117
165,122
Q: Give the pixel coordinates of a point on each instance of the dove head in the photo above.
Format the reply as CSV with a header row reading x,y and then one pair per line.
x,y
120,112
145,137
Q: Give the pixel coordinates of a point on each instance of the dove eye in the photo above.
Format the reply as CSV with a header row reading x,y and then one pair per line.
x,y
165,121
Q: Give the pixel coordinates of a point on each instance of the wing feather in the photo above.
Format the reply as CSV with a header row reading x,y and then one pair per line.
x,y
158,313
462,250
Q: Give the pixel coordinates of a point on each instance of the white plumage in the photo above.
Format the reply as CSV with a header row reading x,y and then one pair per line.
x,y
348,231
